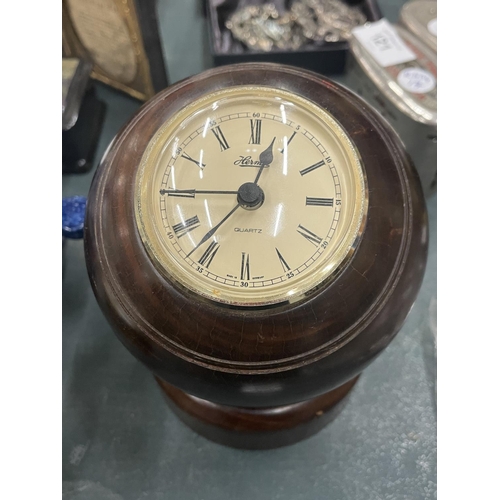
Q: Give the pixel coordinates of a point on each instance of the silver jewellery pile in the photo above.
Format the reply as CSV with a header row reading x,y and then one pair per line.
x,y
263,27
327,20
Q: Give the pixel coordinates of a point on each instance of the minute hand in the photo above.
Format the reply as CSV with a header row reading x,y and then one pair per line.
x,y
213,230
191,193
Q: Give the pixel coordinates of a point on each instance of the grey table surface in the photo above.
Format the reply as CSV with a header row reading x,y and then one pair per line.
x,y
121,441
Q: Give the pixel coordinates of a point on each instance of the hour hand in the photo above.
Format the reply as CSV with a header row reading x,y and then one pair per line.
x,y
191,193
265,158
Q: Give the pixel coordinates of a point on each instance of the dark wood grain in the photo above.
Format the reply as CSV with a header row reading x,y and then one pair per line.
x,y
257,428
275,356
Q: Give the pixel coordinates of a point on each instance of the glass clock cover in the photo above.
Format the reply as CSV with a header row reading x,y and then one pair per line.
x,y
250,196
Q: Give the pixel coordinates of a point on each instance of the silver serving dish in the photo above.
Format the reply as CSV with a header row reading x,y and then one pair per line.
x,y
420,18
406,95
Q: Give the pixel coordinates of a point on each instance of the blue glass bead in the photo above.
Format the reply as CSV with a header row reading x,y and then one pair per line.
x,y
73,216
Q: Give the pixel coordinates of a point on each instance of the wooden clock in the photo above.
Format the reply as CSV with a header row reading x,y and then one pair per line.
x,y
256,236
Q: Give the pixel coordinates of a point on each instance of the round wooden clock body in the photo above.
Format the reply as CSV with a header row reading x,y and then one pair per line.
x,y
255,319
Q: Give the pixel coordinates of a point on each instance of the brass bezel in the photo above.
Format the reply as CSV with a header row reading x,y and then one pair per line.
x,y
310,282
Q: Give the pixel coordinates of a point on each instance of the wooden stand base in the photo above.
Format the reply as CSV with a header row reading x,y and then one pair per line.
x,y
256,428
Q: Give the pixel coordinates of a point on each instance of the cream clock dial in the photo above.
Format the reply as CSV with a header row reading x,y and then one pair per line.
x,y
250,196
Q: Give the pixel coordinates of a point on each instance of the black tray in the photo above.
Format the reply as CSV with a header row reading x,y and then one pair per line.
x,y
326,59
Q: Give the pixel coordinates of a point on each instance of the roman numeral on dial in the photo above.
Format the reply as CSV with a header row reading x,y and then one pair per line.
x,y
185,226
245,266
255,128
289,141
319,202
196,162
309,235
208,256
283,263
220,137
312,167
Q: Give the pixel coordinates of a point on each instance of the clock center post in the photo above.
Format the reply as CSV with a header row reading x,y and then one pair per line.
x,y
250,196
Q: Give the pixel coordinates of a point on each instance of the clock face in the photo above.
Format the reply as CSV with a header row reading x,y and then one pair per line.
x,y
250,196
